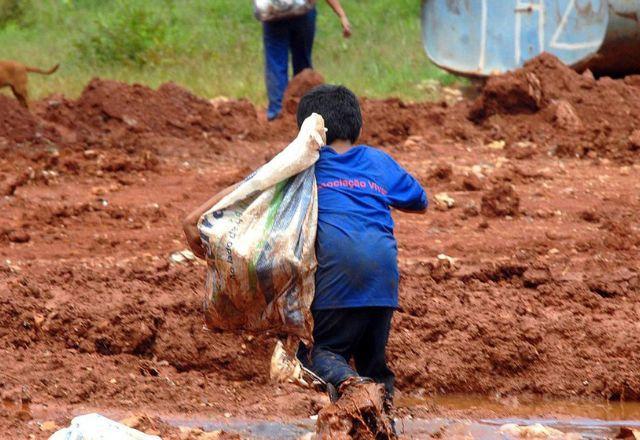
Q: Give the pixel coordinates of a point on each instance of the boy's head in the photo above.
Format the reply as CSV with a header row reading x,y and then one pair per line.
x,y
338,106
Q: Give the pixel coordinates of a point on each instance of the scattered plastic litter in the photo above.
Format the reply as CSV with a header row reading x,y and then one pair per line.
x,y
182,256
97,427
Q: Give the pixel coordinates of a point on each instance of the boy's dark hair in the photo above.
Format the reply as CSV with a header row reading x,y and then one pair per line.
x,y
338,106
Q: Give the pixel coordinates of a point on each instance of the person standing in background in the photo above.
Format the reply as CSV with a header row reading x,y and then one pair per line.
x,y
294,34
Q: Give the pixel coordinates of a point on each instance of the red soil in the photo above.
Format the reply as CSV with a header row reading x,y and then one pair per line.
x,y
298,86
542,296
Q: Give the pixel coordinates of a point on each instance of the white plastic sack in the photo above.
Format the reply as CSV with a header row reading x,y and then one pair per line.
x,y
97,427
269,10
260,244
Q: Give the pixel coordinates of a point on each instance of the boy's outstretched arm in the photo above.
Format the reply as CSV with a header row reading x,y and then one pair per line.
x,y
404,192
190,222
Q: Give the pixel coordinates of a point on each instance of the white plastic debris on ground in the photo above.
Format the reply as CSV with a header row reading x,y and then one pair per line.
x,y
445,199
182,256
260,243
285,368
97,427
537,431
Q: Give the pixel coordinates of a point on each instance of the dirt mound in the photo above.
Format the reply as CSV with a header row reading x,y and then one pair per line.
x,y
298,86
112,107
16,123
386,122
526,90
547,102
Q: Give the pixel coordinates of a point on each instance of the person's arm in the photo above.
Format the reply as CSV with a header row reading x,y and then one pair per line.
x,y
190,222
337,8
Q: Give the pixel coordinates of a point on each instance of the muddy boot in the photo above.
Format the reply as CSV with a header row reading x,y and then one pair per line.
x,y
357,414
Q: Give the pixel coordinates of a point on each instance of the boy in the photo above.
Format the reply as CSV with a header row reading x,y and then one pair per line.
x,y
357,275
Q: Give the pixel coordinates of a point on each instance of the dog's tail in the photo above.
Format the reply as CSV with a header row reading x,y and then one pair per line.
x,y
43,72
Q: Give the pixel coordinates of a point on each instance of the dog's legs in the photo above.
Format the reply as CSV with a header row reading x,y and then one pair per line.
x,y
21,95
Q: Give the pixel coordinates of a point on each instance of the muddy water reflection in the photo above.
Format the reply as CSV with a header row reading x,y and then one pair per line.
x,y
528,407
591,419
486,429
469,417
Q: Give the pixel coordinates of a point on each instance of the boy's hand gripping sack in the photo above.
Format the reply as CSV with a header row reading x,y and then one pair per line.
x,y
260,243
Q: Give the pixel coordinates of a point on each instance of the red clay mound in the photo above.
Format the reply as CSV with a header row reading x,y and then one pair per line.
x,y
386,122
111,106
298,86
390,122
527,90
16,123
548,103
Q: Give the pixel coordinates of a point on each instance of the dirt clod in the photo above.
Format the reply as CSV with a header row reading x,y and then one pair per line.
x,y
358,414
565,116
634,140
472,183
500,201
18,236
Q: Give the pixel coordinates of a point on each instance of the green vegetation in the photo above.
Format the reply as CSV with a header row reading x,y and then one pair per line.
x,y
213,47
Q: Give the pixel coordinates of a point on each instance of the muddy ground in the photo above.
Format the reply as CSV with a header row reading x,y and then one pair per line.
x,y
540,295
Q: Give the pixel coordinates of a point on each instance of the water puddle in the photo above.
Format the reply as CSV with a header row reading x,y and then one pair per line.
x,y
530,406
485,429
464,417
592,420
448,417
255,429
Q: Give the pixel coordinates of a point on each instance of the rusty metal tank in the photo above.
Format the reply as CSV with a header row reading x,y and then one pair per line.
x,y
484,37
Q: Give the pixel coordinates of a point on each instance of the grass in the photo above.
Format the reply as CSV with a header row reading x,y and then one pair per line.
x,y
213,47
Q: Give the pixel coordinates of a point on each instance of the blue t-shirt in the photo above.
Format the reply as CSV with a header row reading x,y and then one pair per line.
x,y
356,250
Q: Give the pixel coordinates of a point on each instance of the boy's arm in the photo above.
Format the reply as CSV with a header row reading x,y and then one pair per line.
x,y
404,191
190,222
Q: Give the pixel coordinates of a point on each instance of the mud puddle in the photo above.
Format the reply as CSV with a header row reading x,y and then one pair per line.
x,y
255,429
526,407
462,418
485,429
451,417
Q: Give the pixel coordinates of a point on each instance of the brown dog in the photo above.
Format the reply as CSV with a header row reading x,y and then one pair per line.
x,y
14,75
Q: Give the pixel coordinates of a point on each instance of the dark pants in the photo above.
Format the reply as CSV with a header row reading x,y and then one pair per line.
x,y
292,34
342,334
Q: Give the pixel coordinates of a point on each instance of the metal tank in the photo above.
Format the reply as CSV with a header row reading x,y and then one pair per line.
x,y
619,53
484,37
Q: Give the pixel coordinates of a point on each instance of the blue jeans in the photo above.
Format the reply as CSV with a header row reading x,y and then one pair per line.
x,y
341,334
291,34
